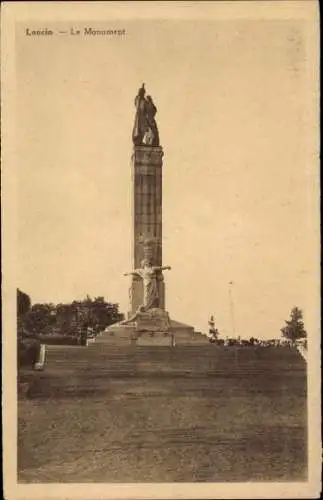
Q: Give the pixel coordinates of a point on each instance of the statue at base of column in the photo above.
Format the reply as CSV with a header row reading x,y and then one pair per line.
x,y
148,315
149,274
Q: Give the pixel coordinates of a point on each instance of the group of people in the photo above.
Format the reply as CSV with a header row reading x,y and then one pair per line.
x,y
254,342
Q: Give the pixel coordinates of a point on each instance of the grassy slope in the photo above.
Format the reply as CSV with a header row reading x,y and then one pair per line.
x,y
243,419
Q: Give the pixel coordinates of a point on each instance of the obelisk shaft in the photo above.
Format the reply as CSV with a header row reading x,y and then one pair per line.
x,y
147,216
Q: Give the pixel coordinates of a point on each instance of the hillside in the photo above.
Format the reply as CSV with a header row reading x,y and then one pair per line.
x,y
112,412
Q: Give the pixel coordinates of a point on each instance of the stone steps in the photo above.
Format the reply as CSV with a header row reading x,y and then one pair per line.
x,y
221,353
106,360
88,371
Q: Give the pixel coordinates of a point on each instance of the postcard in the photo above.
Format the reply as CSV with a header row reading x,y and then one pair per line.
x,y
161,250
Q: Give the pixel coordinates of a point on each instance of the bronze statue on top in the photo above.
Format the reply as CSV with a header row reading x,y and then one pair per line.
x,y
145,131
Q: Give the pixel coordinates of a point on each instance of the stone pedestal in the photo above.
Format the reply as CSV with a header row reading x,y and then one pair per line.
x,y
154,320
151,328
147,217
154,328
155,339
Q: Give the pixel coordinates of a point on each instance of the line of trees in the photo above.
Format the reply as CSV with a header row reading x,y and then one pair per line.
x,y
65,319
96,314
292,332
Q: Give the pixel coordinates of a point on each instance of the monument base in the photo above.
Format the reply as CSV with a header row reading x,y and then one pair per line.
x,y
186,335
155,328
146,338
154,320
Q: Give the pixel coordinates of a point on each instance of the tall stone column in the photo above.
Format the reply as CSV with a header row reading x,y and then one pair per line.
x,y
147,217
147,163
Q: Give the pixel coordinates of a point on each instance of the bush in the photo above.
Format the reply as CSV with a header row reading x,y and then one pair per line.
x,y
58,339
28,352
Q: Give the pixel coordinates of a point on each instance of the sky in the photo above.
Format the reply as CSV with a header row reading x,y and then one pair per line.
x,y
239,169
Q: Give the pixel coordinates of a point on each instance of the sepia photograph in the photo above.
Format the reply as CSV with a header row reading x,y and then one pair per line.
x,y
161,229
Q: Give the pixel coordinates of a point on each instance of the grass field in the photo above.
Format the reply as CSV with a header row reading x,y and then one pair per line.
x,y
241,419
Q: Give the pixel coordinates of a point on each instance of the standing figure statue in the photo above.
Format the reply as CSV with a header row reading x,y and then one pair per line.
x,y
152,136
145,131
148,274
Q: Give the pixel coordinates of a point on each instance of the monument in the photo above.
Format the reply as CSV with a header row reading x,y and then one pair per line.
x,y
147,292
147,201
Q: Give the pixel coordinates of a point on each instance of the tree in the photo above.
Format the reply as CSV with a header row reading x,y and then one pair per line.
x,y
103,314
89,313
67,319
294,328
23,308
40,319
23,303
213,332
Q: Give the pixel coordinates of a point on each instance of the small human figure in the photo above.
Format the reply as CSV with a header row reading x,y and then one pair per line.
x,y
141,124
